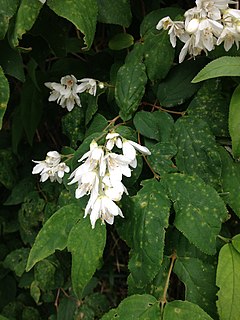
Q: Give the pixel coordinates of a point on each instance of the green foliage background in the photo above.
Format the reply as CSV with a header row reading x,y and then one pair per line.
x,y
176,255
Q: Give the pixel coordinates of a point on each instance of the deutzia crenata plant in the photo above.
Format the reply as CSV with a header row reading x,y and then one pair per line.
x,y
120,166
209,23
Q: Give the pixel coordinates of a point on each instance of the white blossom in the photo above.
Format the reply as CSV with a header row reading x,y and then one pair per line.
x,y
103,208
206,25
229,35
176,29
65,93
51,167
89,85
100,176
42,1
113,138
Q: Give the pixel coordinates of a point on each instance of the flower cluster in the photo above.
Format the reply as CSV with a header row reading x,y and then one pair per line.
x,y
209,23
100,176
51,167
66,92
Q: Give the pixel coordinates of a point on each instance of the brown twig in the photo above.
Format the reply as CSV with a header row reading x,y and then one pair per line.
x,y
182,113
163,299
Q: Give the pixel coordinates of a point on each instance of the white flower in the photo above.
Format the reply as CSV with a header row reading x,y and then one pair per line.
x,y
103,208
94,159
229,35
65,93
89,85
89,183
114,189
117,165
130,147
176,29
51,167
42,1
113,138
193,25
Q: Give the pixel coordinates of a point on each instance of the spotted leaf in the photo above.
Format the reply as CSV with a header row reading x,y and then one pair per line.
x,y
197,150
25,17
4,95
130,88
182,310
54,234
199,210
149,218
141,307
86,245
210,105
230,181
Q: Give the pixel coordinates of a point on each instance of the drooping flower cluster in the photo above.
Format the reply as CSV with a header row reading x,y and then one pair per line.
x,y
51,167
66,93
100,176
209,23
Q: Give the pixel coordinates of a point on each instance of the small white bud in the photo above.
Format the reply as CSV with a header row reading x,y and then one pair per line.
x,y
101,85
192,26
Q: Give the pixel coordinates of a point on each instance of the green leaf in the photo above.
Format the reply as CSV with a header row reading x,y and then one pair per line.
x,y
54,234
221,67
234,121
20,190
178,82
86,245
26,16
160,158
182,310
230,179
7,10
156,125
98,124
199,210
210,105
236,242
121,41
130,88
45,274
31,108
228,280
199,280
16,261
158,54
66,309
91,106
115,12
149,218
156,286
197,150
82,13
73,126
35,291
4,95
8,172
141,307
11,61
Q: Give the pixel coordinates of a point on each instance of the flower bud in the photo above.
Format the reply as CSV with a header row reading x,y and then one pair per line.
x,y
192,25
101,85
